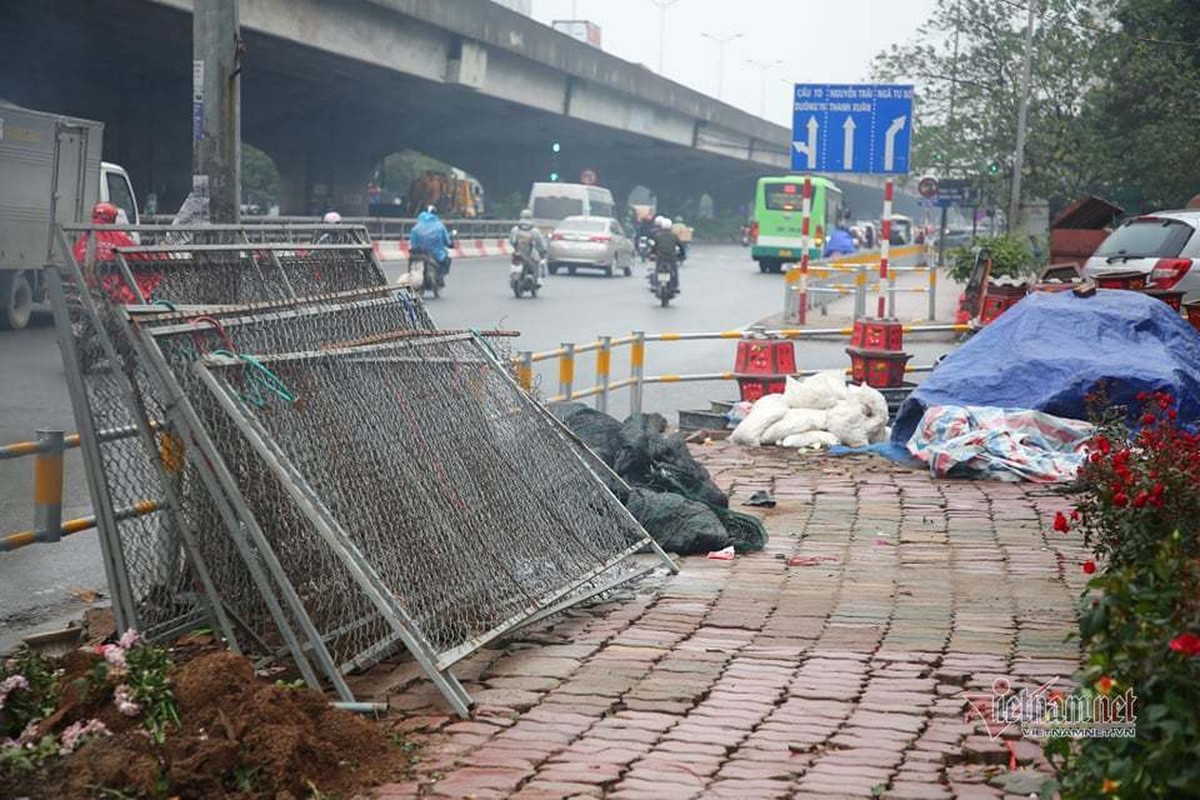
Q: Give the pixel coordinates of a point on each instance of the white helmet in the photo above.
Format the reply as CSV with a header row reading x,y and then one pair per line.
x,y
332,218
664,223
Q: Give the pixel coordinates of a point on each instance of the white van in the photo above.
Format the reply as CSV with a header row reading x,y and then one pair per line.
x,y
551,203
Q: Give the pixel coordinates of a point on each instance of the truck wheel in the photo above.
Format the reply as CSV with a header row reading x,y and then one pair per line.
x,y
16,300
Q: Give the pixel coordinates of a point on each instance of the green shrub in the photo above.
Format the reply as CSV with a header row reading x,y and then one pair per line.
x,y
1140,620
1011,256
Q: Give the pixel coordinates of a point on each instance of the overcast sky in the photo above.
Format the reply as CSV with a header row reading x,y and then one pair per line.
x,y
830,41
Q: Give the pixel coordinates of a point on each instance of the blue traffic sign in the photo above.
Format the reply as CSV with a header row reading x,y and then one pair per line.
x,y
851,128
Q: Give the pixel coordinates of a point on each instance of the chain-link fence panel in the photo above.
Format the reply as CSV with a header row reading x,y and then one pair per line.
x,y
467,502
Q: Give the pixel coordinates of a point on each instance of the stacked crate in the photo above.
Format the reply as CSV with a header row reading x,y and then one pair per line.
x,y
877,356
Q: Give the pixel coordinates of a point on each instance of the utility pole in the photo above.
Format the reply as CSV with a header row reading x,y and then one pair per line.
x,y
765,67
950,130
663,5
721,42
216,108
1014,207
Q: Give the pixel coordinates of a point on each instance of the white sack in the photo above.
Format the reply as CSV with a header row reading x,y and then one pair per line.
x,y
796,420
874,407
768,410
882,435
811,440
821,391
848,423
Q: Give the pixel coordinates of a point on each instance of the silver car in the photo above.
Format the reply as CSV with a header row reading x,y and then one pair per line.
x,y
1163,246
591,242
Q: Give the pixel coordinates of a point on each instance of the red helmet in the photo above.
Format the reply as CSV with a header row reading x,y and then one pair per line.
x,y
104,213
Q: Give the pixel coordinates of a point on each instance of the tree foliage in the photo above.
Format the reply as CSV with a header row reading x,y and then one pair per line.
x,y
1113,94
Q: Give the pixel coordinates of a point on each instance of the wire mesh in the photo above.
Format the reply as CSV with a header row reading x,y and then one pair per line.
x,y
471,508
354,478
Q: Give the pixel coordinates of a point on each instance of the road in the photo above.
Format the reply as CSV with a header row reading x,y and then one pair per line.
x,y
722,290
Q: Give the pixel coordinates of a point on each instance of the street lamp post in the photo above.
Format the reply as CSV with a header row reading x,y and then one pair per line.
x,y
721,42
663,5
765,66
1014,206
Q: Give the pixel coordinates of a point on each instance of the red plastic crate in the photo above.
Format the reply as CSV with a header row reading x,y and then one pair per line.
x,y
763,358
881,369
1173,299
878,334
1122,280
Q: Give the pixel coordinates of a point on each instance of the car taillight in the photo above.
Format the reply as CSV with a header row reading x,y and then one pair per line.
x,y
754,231
1169,271
556,237
600,237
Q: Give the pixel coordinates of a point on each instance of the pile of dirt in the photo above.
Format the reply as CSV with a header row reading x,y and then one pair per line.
x,y
240,737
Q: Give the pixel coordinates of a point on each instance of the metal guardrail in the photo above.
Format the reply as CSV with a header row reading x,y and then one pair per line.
x,y
603,346
48,448
380,227
47,452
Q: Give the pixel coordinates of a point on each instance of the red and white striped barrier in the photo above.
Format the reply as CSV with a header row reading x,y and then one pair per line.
x,y
397,250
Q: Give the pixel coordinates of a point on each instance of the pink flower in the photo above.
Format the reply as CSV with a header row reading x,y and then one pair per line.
x,y
11,684
129,638
115,656
77,733
123,698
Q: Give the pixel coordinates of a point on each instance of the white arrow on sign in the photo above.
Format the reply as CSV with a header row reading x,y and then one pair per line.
x,y
848,144
889,143
809,148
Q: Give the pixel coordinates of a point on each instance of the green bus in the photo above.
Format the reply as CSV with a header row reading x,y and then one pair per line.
x,y
778,214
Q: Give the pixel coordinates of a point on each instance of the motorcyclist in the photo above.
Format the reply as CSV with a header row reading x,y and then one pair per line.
x,y
840,242
112,283
330,237
666,249
528,241
430,236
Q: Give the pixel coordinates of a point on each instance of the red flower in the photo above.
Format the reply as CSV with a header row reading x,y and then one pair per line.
x,y
1089,567
1157,490
1140,499
1186,643
1095,457
1075,515
1060,523
1148,419
1105,684
1102,444
1120,499
1173,413
1143,397
1164,401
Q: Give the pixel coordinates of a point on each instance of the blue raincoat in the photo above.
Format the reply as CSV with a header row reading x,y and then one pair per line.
x,y
840,243
430,235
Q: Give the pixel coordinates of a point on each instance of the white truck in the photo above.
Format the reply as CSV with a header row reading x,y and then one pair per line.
x,y
50,172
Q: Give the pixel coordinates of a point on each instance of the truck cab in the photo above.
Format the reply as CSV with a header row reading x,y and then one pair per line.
x,y
116,188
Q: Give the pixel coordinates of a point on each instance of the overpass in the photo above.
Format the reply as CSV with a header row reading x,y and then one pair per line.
x,y
330,87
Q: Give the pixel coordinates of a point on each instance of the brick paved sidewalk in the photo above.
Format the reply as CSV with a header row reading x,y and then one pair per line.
x,y
848,677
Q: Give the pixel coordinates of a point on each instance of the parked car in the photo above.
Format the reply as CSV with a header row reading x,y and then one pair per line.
x,y
591,242
1162,246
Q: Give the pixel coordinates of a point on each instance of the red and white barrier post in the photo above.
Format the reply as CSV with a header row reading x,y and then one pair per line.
x,y
884,246
798,313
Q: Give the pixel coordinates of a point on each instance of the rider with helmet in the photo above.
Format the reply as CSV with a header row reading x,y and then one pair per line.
x,y
430,236
104,251
527,241
666,249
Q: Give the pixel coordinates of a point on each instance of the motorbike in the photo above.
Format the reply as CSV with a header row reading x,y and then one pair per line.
x,y
661,285
644,245
430,278
523,275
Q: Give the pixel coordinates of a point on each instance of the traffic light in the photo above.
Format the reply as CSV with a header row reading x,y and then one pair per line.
x,y
993,168
553,177
555,147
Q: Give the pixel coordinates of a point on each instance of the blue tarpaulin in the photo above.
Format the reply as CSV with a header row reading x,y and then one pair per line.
x,y
1049,350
